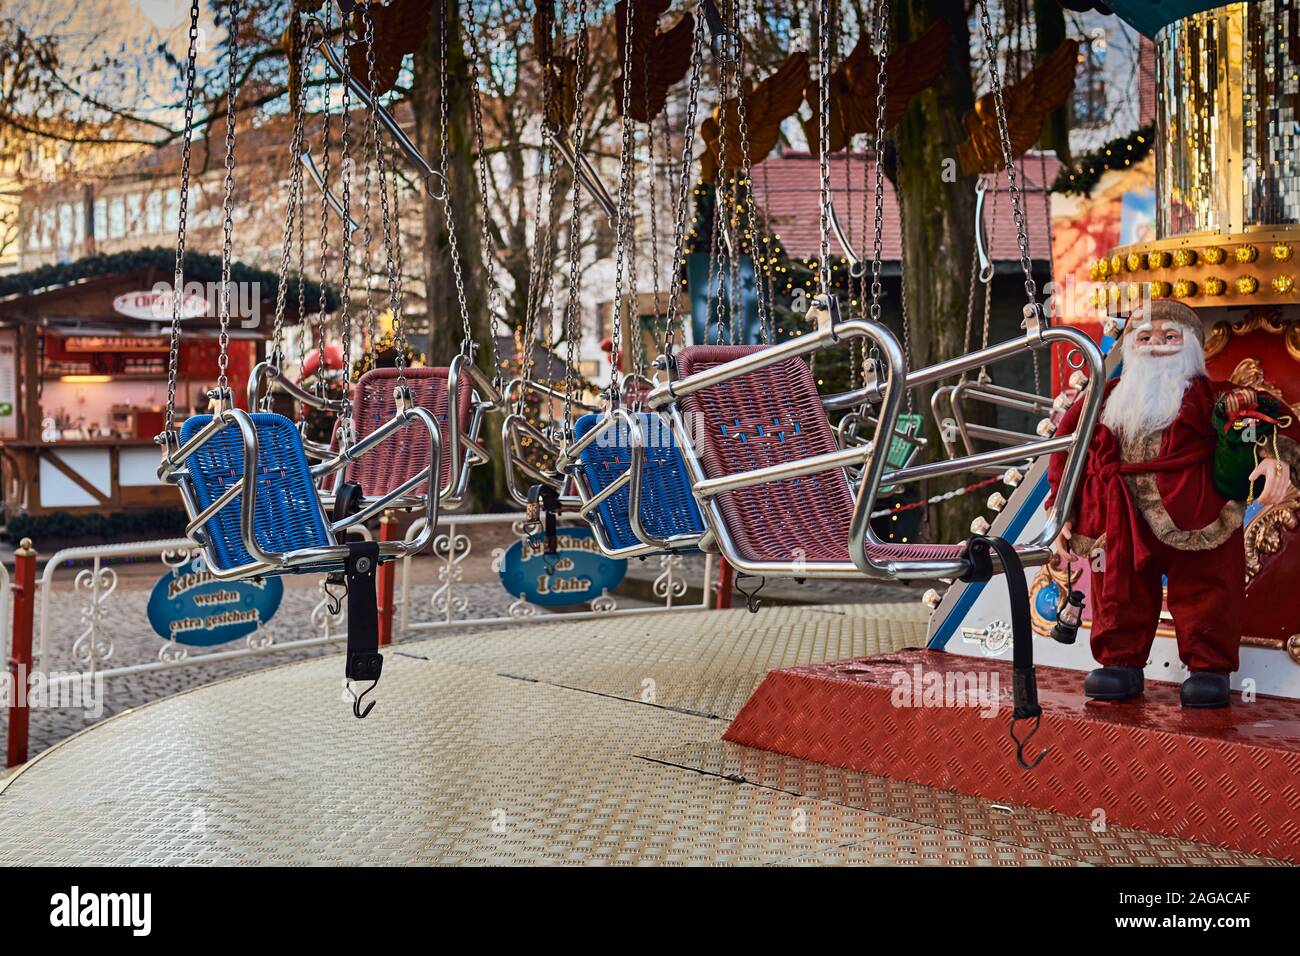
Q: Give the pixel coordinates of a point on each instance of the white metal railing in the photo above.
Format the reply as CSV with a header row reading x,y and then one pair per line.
x,y
451,607
94,591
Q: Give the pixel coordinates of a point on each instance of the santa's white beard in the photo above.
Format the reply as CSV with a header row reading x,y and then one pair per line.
x,y
1150,389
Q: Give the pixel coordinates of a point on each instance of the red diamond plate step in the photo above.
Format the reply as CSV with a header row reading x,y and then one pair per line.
x,y
1230,777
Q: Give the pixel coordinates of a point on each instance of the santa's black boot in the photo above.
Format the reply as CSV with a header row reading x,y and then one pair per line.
x,y
1113,683
1205,689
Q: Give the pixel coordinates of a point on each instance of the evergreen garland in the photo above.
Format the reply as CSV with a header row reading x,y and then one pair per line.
x,y
1119,153
198,267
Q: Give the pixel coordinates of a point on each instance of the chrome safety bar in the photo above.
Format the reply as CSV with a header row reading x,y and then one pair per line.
x,y
890,396
569,462
172,470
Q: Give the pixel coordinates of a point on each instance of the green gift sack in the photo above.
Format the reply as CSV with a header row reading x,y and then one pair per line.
x,y
1235,451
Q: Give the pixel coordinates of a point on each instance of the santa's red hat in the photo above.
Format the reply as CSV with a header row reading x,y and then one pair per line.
x,y
1167,310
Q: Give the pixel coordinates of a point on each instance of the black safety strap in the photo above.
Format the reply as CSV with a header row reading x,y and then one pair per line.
x,y
364,662
348,499
1024,682
544,504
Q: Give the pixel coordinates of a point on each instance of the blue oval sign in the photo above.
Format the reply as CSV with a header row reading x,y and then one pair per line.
x,y
579,574
190,606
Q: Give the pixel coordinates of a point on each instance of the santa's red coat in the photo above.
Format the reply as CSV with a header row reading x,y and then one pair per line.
x,y
1187,489
1207,596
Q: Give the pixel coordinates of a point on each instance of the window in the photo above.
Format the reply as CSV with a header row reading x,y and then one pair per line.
x,y
153,212
65,226
135,213
101,218
116,217
1089,104
173,208
49,226
79,222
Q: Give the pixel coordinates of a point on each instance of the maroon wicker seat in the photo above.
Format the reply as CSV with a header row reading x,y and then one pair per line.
x,y
392,462
766,417
896,551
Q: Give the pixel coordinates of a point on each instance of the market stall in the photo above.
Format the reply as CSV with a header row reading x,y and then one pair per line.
x,y
83,373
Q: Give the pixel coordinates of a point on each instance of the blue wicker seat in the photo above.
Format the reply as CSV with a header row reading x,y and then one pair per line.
x,y
668,506
288,509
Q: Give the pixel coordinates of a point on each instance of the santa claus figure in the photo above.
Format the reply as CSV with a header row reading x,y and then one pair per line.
x,y
1148,509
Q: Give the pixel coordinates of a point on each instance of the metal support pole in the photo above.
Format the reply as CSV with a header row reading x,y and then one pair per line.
x,y
20,654
722,590
384,585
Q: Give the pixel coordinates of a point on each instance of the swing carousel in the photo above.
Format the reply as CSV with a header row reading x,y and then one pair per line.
x,y
723,445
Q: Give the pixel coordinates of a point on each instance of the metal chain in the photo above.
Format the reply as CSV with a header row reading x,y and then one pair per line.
x,y
392,267
374,146
824,144
453,244
539,278
623,216
495,299
293,207
324,232
718,226
346,166
571,325
881,42
653,146
746,186
227,205
684,179
178,280
1004,135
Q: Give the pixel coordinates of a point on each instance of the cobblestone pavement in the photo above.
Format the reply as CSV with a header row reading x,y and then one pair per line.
x,y
130,640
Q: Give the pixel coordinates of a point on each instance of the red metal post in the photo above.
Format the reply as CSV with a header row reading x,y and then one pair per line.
x,y
387,532
20,654
722,589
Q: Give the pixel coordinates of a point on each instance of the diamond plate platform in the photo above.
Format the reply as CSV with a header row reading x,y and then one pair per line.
x,y
1229,777
566,743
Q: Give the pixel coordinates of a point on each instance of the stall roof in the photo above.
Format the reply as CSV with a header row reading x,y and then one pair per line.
x,y
76,290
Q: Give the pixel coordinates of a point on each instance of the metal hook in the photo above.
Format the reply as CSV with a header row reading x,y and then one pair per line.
x,y
1022,744
357,712
752,603
334,601
981,239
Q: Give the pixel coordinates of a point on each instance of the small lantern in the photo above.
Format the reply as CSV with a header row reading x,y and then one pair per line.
x,y
1281,252
1136,261
980,525
1283,284
1247,253
1214,255
1012,477
931,598
1068,618
1214,286
1247,285
1184,258
996,502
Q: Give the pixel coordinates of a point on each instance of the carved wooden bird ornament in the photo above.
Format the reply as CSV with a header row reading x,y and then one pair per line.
x,y
909,70
766,105
658,60
1028,101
